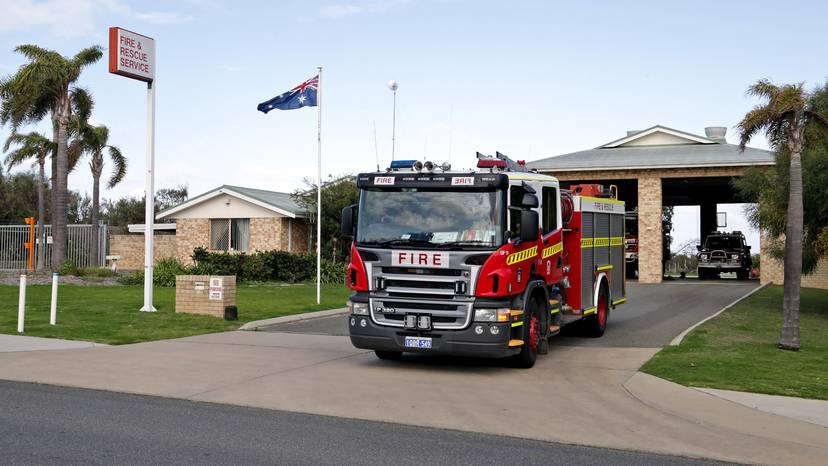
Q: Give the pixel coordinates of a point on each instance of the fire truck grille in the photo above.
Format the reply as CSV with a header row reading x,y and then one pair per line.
x,y
443,294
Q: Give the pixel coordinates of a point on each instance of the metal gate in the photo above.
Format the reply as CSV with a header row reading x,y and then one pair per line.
x,y
80,246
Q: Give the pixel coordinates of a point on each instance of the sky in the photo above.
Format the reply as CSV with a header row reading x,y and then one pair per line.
x,y
529,79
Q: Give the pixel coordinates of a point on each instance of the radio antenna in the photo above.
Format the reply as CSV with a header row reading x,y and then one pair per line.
x,y
376,150
451,129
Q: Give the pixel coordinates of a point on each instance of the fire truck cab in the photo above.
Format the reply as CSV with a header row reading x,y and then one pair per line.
x,y
487,263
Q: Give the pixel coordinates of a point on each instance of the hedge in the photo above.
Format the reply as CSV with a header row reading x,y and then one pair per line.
x,y
266,266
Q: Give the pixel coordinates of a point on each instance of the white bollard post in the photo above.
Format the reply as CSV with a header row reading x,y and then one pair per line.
x,y
53,313
21,306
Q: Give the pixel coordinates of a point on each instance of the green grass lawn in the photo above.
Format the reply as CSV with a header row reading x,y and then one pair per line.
x,y
109,314
737,350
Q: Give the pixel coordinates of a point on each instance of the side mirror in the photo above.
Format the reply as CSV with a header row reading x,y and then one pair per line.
x,y
529,201
529,225
347,221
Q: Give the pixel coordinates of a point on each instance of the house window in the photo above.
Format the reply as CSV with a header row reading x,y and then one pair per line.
x,y
229,234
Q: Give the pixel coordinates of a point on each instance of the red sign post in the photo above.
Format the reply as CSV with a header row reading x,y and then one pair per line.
x,y
133,55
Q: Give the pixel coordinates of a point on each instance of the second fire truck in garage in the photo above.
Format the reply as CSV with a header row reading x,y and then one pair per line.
x,y
485,263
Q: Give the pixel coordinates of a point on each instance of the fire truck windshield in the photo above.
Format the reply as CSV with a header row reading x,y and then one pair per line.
x,y
418,217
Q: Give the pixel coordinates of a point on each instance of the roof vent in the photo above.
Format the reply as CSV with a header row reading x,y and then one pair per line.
x,y
632,132
716,133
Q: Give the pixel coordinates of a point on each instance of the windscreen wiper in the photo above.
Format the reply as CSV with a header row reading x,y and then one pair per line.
x,y
466,242
398,241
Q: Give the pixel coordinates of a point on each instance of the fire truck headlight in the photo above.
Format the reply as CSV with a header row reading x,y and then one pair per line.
x,y
358,308
704,257
492,315
734,257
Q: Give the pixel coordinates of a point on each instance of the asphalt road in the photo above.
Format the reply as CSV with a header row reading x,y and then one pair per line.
x,y
43,425
652,316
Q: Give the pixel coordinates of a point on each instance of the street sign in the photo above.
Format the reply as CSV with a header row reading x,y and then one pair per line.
x,y
131,54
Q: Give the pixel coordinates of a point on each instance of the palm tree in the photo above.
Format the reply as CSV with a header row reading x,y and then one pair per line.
x,y
783,116
38,147
42,87
94,140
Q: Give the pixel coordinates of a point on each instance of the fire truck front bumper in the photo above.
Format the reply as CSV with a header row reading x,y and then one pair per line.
x,y
479,339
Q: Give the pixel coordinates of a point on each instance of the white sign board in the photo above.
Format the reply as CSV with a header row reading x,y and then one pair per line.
x,y
131,54
215,293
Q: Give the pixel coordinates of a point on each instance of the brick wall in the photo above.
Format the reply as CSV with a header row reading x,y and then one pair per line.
x,y
131,249
266,234
192,294
649,230
190,233
773,271
300,235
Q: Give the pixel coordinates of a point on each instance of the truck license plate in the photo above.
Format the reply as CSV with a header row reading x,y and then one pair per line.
x,y
418,342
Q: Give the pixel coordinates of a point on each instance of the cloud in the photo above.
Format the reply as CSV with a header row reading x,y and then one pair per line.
x,y
341,10
74,18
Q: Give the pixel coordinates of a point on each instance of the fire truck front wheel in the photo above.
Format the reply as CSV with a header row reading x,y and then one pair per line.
x,y
597,323
532,335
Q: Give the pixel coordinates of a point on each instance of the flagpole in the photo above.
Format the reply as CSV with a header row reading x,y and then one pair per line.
x,y
319,188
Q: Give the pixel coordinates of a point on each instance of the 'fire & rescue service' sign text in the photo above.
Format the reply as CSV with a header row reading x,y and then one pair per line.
x,y
131,54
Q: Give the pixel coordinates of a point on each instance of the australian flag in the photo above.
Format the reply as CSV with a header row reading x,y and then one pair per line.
x,y
303,95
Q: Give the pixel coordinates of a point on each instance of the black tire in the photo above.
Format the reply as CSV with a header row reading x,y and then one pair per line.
x,y
596,324
705,274
742,274
388,355
529,351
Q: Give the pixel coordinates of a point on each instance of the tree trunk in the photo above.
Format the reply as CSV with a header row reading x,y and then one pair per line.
x,y
97,169
789,338
59,230
53,194
41,214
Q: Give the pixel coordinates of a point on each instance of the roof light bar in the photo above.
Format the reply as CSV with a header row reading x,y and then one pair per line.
x,y
491,163
398,164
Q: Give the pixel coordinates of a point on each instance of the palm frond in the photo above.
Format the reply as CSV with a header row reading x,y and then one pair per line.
x,y
817,118
753,123
35,52
763,88
88,56
120,166
82,103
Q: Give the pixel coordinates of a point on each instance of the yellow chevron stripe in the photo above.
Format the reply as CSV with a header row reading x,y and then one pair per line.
x,y
521,256
601,242
589,311
586,242
517,324
551,250
619,301
617,241
604,267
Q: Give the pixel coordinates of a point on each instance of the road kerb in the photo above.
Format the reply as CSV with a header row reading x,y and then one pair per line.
x,y
678,339
257,324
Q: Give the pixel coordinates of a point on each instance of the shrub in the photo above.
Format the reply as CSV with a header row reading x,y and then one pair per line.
x,y
134,278
166,270
333,273
68,268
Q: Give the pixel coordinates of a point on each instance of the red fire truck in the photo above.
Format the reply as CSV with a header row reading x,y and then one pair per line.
x,y
487,263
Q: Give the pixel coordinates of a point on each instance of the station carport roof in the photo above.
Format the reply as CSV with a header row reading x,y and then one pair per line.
x,y
630,153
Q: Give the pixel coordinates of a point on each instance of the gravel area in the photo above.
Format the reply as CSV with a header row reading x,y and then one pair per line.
x,y
7,278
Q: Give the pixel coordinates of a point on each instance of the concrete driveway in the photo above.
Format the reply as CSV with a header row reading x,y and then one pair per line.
x,y
653,315
577,394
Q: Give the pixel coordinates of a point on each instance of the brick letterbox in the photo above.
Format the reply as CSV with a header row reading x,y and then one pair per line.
x,y
204,294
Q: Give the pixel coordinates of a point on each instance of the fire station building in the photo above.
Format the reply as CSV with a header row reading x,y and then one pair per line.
x,y
661,166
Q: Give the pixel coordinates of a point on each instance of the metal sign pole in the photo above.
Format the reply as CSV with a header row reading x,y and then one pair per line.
x,y
149,208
